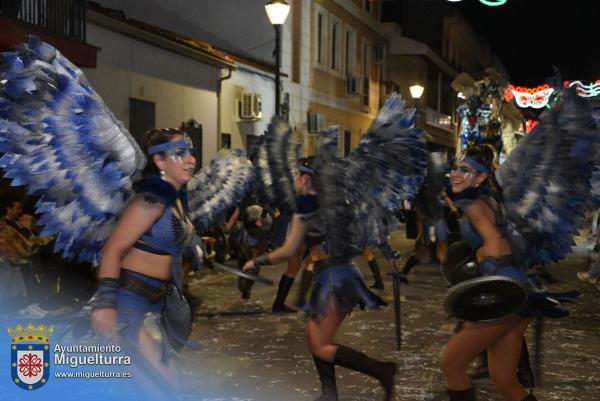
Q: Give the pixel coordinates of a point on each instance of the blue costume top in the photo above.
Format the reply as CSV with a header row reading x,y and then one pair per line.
x,y
305,206
167,235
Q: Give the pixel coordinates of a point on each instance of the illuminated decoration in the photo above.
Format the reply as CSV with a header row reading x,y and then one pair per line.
x,y
591,90
532,97
493,3
530,125
508,95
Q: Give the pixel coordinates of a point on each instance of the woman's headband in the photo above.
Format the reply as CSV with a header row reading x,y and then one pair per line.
x,y
475,165
185,143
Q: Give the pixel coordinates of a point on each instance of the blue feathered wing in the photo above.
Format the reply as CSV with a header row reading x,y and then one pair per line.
x,y
217,187
60,141
274,161
547,183
360,196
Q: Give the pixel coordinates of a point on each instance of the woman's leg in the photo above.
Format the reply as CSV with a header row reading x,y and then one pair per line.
x,y
320,332
372,262
465,345
286,282
503,357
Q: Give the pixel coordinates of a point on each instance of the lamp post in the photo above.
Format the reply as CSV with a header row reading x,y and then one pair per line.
x,y
416,91
277,11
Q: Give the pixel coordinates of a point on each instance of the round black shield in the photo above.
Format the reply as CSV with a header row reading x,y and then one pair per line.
x,y
460,263
484,298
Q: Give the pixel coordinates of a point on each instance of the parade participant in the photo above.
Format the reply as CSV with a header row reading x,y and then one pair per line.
x,y
325,202
481,225
526,218
263,229
137,259
60,140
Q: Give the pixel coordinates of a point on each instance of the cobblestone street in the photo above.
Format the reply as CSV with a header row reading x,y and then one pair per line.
x,y
252,354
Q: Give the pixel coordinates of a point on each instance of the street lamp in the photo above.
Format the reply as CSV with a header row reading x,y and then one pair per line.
x,y
416,91
277,11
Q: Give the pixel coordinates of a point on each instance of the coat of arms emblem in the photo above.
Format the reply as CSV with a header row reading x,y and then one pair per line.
x,y
30,355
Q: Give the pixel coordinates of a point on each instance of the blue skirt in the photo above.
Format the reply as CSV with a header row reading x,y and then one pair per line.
x,y
134,307
344,285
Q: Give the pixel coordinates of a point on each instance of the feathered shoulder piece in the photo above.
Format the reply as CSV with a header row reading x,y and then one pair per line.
x,y
156,190
469,195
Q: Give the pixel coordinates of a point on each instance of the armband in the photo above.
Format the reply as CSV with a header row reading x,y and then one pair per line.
x,y
261,261
106,294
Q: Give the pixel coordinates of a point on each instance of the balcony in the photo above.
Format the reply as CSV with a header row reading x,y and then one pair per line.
x,y
437,119
61,23
439,128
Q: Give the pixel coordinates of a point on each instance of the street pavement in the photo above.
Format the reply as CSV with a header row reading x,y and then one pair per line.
x,y
252,354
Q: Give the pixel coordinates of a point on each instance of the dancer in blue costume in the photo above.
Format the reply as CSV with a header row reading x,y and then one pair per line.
x,y
60,141
528,220
352,202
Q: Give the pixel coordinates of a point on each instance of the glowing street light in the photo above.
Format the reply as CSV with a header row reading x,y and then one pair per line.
x,y
277,11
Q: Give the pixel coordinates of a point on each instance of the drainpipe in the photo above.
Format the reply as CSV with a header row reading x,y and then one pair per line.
x,y
219,87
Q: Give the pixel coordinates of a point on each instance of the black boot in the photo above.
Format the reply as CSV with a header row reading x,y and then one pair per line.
x,y
410,263
326,371
378,284
530,397
461,395
382,371
305,283
524,370
279,306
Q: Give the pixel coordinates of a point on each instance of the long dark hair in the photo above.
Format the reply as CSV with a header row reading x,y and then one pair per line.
x,y
486,156
156,137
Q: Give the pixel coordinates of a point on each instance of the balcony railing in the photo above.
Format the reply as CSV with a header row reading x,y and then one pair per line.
x,y
63,17
437,119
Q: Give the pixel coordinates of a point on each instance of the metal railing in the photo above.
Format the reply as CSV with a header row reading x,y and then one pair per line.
x,y
63,17
440,120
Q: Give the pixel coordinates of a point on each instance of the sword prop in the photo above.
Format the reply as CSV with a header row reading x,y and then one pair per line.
x,y
397,278
253,277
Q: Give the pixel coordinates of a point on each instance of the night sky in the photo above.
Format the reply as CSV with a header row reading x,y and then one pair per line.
x,y
532,36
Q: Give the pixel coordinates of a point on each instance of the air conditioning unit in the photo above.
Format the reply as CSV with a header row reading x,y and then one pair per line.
x,y
316,122
250,106
380,54
353,86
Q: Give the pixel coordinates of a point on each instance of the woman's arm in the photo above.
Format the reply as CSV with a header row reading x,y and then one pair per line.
x,y
137,219
293,241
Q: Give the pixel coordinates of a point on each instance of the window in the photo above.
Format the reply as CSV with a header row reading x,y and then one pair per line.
x,y
225,141
368,5
141,118
347,142
335,34
366,57
321,37
350,53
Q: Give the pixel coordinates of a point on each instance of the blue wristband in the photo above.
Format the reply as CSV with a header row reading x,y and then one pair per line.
x,y
107,293
261,261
